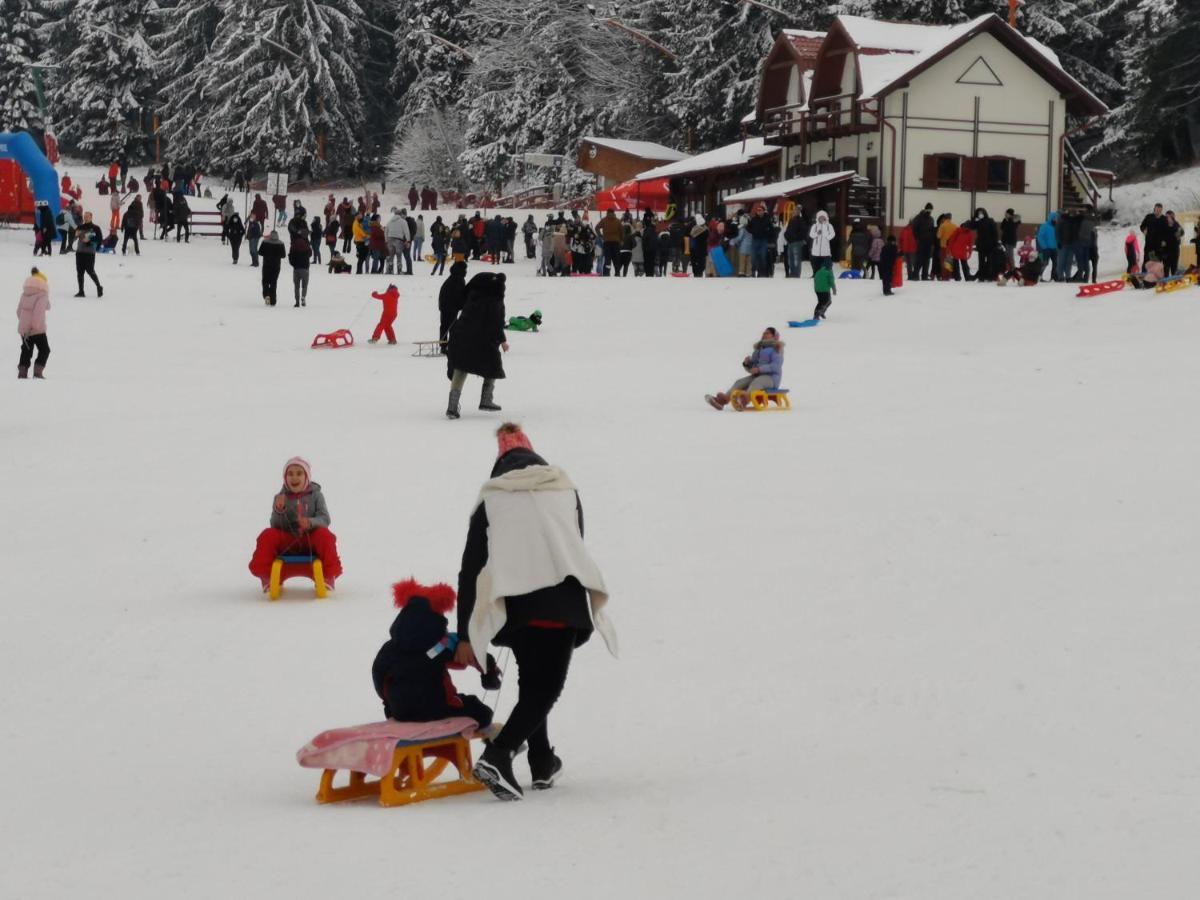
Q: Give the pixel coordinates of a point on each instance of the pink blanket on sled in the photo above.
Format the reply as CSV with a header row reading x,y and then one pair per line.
x,y
368,748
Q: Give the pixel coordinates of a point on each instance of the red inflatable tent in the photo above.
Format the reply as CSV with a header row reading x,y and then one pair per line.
x,y
16,202
635,196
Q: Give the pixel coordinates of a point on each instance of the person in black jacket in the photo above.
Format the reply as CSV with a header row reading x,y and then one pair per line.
x,y
450,299
925,233
476,340
410,670
1008,237
182,216
887,263
235,231
272,252
542,626
87,244
315,236
987,241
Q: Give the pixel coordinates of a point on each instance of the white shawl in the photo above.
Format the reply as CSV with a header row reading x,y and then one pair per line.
x,y
533,543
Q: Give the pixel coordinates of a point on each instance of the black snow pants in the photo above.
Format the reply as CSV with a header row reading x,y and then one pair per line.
x,y
543,656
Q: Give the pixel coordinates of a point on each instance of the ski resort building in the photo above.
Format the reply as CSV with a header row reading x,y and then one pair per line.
x,y
960,116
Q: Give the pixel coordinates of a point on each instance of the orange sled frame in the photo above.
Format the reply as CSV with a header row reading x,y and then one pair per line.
x,y
412,776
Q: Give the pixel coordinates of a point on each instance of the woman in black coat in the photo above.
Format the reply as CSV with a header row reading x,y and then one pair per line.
x,y
272,252
235,231
476,339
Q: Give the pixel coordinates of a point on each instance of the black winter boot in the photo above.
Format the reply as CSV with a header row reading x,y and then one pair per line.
x,y
38,370
452,405
485,399
495,770
22,371
545,770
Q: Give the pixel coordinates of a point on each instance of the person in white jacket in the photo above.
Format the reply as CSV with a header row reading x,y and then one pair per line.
x,y
528,582
820,242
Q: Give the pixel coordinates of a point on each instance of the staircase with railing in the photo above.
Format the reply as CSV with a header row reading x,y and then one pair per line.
x,y
1079,183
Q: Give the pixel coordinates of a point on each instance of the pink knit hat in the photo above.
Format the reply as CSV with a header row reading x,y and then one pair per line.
x,y
302,463
511,440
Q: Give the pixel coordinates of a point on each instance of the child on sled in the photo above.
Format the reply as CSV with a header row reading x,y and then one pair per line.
x,y
411,671
765,368
299,525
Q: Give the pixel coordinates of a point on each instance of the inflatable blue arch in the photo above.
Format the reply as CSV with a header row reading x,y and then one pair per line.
x,y
23,149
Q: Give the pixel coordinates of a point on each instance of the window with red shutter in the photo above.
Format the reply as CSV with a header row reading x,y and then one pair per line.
x,y
929,172
1018,176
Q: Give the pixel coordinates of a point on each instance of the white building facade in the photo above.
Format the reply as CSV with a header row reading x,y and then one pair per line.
x,y
962,117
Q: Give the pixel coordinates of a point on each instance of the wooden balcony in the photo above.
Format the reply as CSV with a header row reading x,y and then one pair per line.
x,y
829,117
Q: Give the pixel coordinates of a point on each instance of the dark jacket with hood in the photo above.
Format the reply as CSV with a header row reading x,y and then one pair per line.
x,y
411,674
565,605
454,290
475,339
272,252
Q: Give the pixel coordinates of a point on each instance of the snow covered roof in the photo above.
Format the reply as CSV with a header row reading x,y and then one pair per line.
x,y
805,44
790,188
900,37
643,149
728,157
892,52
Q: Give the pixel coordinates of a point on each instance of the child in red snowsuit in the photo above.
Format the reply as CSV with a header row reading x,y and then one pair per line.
x,y
390,298
299,524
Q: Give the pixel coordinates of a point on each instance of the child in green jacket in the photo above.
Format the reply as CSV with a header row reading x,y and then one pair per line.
x,y
824,284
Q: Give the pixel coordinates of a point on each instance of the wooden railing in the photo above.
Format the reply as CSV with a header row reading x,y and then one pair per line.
x,y
820,119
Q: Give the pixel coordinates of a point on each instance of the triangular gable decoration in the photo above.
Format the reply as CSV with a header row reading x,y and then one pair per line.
x,y
979,72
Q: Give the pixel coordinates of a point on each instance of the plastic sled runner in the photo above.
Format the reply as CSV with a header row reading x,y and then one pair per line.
x,y
300,566
760,401
406,758
340,338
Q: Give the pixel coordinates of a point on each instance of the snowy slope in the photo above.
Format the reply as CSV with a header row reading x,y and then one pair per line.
x,y
929,635
1179,191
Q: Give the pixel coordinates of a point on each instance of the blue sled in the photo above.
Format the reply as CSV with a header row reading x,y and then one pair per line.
x,y
851,273
721,262
807,323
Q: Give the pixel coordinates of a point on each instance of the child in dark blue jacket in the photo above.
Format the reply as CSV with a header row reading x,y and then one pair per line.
x,y
411,670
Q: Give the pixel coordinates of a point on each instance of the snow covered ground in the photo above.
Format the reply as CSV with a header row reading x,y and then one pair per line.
x,y
932,634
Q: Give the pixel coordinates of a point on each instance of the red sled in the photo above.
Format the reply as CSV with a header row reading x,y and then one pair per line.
x,y
340,338
1104,287
679,274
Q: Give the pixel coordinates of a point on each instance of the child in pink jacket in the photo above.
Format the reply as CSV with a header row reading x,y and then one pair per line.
x,y
31,324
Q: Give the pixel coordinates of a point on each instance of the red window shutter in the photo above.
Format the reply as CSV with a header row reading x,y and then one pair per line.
x,y
968,173
929,173
1017,174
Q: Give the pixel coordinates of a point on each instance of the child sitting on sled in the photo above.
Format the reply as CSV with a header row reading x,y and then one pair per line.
x,y
530,322
299,525
411,671
765,366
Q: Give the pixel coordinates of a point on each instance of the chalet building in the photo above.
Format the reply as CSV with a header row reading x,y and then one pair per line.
x,y
614,161
960,116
